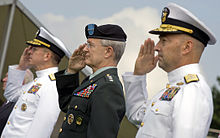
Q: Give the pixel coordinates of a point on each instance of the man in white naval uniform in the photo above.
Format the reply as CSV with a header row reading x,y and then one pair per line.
x,y
36,110
184,108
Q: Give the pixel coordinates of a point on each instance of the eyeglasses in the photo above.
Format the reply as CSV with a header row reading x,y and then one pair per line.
x,y
89,45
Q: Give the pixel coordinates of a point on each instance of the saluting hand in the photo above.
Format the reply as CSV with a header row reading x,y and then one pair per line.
x,y
77,60
24,62
146,60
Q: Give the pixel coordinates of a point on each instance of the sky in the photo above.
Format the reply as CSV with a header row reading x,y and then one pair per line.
x,y
67,19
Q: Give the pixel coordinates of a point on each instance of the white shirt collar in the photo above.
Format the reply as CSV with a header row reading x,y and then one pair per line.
x,y
179,73
47,71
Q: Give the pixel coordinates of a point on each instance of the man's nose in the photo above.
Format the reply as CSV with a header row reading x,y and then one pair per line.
x,y
86,48
157,48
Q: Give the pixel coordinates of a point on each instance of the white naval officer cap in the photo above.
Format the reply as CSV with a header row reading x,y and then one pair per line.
x,y
176,19
45,39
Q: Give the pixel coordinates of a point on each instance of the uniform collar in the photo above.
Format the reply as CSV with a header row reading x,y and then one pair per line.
x,y
108,71
179,73
99,71
46,71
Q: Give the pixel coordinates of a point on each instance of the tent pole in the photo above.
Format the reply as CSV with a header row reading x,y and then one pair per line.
x,y
6,36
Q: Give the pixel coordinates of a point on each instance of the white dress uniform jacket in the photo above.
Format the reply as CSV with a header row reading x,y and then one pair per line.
x,y
36,111
182,110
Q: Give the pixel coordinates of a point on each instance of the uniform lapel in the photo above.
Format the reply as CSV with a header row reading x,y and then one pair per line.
x,y
93,80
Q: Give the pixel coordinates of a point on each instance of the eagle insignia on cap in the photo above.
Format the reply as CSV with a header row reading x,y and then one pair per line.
x,y
37,33
165,14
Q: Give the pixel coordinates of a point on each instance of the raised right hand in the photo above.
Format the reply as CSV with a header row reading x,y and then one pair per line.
x,y
77,60
24,62
146,60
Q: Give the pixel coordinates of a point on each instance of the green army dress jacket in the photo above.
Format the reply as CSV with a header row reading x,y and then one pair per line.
x,y
93,109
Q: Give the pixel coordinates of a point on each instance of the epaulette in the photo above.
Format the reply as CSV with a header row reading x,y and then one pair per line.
x,y
109,77
52,77
191,78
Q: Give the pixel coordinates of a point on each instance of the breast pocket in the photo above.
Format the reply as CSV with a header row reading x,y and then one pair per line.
x,y
159,118
29,104
76,119
162,108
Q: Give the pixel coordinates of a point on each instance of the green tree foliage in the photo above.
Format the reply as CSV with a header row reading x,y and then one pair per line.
x,y
216,100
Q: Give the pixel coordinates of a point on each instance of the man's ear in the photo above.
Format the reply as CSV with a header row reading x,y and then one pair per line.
x,y
47,56
109,51
187,48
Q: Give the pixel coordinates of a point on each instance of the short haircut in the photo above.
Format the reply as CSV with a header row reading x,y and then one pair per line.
x,y
118,47
55,58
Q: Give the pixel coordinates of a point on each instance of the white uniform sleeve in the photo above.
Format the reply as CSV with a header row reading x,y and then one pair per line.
x,y
14,83
192,112
135,97
47,112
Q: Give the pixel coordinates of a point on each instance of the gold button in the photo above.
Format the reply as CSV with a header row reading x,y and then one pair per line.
x,y
79,120
142,124
23,107
15,106
157,110
61,130
168,86
64,118
24,92
76,107
8,123
70,119
144,110
91,80
107,74
179,83
35,80
153,104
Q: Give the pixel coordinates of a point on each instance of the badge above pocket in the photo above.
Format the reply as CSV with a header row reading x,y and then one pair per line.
x,y
34,88
86,92
169,93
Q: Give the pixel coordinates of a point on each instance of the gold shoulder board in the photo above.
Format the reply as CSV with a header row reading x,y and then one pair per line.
x,y
52,77
191,78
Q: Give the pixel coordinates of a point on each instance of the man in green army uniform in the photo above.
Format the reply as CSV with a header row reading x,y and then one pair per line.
x,y
95,108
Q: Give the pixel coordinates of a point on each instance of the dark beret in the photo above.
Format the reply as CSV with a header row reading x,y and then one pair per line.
x,y
108,32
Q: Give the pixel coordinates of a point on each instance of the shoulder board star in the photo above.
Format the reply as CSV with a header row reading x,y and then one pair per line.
x,y
52,77
191,78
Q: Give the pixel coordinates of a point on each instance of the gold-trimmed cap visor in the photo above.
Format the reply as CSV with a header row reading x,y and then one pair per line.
x,y
176,19
41,42
168,28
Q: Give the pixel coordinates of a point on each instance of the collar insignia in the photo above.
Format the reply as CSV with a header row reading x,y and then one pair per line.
x,y
52,77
